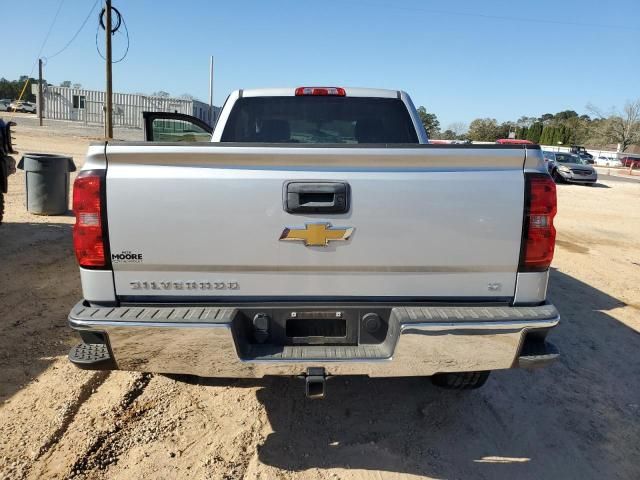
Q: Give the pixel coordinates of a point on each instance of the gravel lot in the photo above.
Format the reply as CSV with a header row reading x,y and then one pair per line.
x,y
577,419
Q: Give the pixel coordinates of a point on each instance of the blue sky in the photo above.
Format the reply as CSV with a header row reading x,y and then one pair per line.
x,y
456,58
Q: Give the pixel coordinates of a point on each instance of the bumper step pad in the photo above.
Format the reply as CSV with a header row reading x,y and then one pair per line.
x,y
91,356
537,354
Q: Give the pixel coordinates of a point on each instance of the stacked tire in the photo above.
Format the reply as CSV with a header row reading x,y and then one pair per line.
x,y
7,167
7,163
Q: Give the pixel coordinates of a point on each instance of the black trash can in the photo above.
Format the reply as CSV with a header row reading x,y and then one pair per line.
x,y
47,182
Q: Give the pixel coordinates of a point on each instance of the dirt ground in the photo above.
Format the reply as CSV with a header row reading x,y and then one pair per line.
x,y
578,419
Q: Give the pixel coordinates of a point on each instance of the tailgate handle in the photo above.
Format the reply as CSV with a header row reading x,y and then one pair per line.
x,y
316,197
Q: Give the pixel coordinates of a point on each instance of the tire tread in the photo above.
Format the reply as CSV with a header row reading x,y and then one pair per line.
x,y
460,380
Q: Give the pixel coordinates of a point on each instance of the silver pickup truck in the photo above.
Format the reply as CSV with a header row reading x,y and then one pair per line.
x,y
314,232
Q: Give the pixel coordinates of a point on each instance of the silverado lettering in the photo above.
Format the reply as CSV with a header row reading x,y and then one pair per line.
x,y
140,285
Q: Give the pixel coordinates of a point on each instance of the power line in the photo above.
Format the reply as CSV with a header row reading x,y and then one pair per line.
x,y
119,21
499,17
48,33
75,34
44,42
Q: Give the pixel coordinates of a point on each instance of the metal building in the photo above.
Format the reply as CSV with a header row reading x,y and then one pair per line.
x,y
63,103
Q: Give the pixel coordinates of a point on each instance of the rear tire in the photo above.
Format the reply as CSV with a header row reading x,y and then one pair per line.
x,y
460,381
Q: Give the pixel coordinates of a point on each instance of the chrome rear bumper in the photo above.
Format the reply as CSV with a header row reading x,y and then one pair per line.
x,y
420,341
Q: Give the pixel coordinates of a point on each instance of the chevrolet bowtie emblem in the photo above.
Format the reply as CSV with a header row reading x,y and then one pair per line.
x,y
316,234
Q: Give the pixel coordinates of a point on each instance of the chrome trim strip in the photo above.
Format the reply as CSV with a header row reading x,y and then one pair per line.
x,y
309,268
100,324
510,325
323,157
431,327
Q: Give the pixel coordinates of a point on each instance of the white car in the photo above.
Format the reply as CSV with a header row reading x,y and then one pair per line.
x,y
607,161
22,106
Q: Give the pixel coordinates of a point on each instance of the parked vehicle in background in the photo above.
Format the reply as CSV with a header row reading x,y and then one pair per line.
x,y
580,150
513,141
633,162
23,106
7,163
4,104
587,157
450,142
315,232
549,159
606,161
570,167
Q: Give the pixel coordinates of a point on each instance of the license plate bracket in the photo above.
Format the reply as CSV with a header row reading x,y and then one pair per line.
x,y
301,325
316,330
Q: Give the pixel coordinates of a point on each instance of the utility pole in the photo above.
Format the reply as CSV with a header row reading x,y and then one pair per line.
x,y
108,117
40,96
211,119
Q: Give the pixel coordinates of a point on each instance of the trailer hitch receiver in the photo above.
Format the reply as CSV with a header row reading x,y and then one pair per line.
x,y
315,383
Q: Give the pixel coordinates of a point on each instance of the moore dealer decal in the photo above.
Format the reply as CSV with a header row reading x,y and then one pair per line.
x,y
126,257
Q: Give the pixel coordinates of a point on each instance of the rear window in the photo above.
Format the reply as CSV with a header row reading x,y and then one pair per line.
x,y
319,119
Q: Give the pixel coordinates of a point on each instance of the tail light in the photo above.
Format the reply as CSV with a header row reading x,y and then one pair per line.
x,y
321,91
90,231
538,232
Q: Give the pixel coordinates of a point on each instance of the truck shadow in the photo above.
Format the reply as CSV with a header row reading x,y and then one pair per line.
x,y
39,281
575,419
577,185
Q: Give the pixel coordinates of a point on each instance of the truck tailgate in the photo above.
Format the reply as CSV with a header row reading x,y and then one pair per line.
x,y
205,221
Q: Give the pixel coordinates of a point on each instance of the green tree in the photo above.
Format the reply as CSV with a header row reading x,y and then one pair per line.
x,y
535,132
522,132
12,89
618,127
525,121
546,118
546,138
485,130
448,135
459,129
556,135
429,121
561,135
577,130
504,129
565,115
